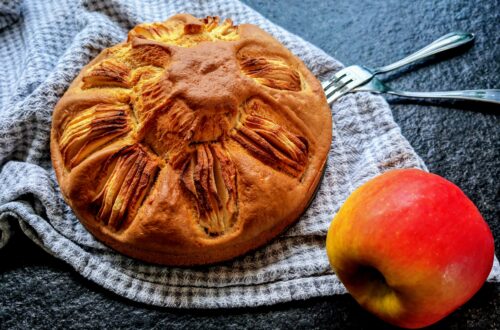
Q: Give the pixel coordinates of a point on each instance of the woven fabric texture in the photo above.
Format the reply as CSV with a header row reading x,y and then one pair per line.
x,y
43,46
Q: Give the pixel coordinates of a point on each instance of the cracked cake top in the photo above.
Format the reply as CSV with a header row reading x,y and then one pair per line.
x,y
192,142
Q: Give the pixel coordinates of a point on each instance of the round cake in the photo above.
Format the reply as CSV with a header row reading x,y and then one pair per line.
x,y
192,142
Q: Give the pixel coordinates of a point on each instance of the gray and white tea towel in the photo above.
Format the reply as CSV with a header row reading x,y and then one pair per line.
x,y
43,46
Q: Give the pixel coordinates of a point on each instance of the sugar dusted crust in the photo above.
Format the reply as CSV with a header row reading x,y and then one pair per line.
x,y
192,142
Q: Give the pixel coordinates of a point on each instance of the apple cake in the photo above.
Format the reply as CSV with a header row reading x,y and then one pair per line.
x,y
193,142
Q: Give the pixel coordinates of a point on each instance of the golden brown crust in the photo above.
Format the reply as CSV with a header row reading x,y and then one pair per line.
x,y
192,142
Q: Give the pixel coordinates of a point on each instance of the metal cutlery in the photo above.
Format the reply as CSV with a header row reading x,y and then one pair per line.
x,y
485,95
353,76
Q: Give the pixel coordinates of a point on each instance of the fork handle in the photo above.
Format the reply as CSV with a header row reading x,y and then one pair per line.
x,y
484,95
448,41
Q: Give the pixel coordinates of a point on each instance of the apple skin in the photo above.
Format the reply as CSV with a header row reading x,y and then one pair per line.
x,y
410,247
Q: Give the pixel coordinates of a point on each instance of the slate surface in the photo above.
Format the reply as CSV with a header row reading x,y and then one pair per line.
x,y
458,140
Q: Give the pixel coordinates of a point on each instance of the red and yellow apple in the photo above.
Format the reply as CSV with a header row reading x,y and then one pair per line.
x,y
410,247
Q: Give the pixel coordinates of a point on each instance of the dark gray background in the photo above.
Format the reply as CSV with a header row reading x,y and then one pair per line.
x,y
457,140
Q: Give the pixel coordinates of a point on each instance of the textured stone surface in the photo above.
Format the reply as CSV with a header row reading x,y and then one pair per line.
x,y
458,140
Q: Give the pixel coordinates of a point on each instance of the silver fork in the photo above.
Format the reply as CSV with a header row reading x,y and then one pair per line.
x,y
353,76
484,95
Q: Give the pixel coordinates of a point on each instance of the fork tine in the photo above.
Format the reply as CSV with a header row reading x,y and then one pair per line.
x,y
335,94
339,75
333,97
336,88
345,80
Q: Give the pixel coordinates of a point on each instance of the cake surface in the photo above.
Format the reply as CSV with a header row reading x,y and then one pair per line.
x,y
193,142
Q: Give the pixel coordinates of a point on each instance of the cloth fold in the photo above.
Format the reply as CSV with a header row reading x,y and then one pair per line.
x,y
43,52
10,11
